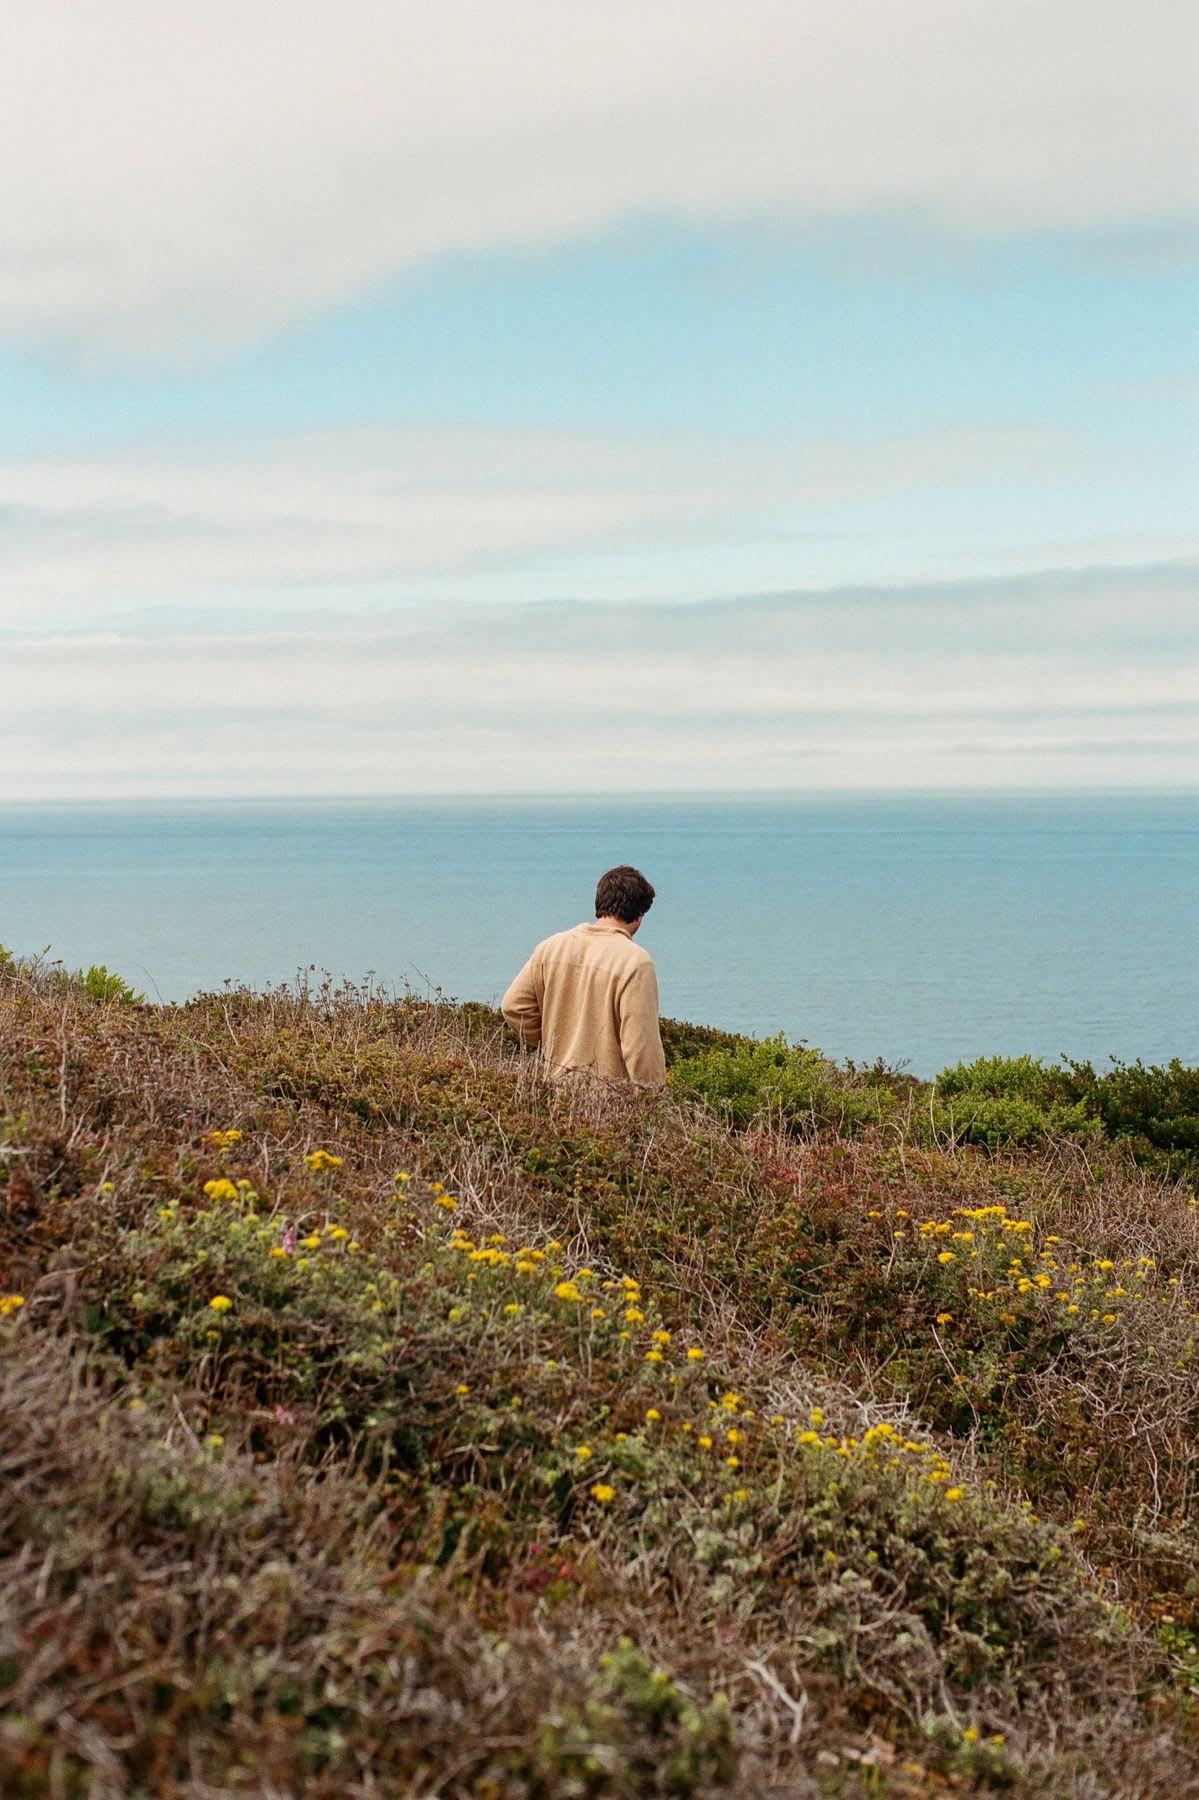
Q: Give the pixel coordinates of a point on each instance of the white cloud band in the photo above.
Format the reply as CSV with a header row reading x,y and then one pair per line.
x,y
189,177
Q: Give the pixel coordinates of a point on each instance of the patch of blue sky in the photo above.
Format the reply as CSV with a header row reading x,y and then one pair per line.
x,y
661,328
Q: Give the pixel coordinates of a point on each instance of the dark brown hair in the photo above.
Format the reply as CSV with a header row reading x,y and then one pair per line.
x,y
623,893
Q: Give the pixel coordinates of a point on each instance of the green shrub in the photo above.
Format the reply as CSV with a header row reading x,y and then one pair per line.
x,y
1022,1100
1008,1078
97,983
999,1100
975,1117
749,1079
1156,1108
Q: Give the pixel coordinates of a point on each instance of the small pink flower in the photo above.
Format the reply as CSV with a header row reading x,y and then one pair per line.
x,y
288,1240
284,1415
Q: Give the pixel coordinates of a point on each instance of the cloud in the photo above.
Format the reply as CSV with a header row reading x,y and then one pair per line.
x,y
185,179
1059,679
356,508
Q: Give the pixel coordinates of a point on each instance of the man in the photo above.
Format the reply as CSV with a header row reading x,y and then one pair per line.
x,y
589,996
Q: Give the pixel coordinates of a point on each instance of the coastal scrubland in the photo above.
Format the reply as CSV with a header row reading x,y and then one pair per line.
x,y
378,1418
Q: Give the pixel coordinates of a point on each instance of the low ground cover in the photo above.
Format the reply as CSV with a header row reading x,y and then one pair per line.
x,y
377,1417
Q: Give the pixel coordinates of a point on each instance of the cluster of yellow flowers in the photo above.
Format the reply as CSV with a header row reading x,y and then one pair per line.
x,y
887,1441
319,1160
10,1303
223,1140
619,1300
220,1190
1078,1286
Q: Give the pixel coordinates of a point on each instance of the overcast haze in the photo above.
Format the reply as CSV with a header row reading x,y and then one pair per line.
x,y
435,398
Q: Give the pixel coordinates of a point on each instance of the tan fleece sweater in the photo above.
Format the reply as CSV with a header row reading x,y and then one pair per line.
x,y
589,997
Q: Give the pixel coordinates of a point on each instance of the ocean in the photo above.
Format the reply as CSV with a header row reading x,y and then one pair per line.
x,y
917,929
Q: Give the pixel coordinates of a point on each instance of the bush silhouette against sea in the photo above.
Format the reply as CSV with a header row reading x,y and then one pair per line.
x,y
377,1417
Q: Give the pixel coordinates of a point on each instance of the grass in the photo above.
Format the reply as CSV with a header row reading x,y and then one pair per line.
x,y
378,1418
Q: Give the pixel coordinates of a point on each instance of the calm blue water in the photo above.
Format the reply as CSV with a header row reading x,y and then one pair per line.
x,y
921,930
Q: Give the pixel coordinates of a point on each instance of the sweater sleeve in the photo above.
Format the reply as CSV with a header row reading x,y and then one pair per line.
x,y
521,1005
640,1038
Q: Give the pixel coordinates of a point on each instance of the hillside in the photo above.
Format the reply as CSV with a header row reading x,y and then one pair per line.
x,y
377,1419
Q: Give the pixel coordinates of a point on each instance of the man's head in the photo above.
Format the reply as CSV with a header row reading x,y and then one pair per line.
x,y
623,893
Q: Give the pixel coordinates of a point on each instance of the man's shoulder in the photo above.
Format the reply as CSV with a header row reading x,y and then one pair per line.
x,y
583,939
557,944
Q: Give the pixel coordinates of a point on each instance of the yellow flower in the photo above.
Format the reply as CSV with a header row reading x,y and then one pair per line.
x,y
705,1442
653,1415
954,1493
695,1354
462,1388
815,1417
220,1190
322,1159
945,1256
731,1402
654,1356
633,1317
513,1306
732,1462
220,1303
403,1175
214,1440
312,1242
278,1250
809,1437
566,1290
734,1436
741,1494
660,1337
602,1493
944,1318
337,1232
444,1201
10,1303
584,1452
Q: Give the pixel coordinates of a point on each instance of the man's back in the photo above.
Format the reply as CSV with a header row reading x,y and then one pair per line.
x,y
589,997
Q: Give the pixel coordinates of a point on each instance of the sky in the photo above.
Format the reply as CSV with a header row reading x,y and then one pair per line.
x,y
560,397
